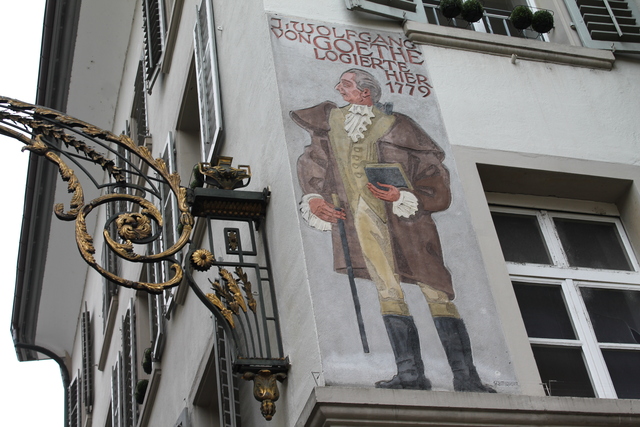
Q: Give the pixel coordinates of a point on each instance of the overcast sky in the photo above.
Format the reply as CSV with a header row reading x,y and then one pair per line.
x,y
33,393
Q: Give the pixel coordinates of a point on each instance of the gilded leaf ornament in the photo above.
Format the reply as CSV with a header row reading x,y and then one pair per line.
x,y
228,297
246,285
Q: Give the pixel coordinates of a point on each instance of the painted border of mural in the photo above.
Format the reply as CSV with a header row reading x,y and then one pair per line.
x,y
400,294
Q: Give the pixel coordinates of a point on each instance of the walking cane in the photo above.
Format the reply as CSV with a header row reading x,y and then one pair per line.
x,y
352,279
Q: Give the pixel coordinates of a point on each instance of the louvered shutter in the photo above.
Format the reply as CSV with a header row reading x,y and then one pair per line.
x,y
209,103
412,10
153,38
607,24
139,113
129,376
73,401
87,362
116,403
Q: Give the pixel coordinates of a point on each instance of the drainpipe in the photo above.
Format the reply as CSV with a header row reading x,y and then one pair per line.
x,y
63,372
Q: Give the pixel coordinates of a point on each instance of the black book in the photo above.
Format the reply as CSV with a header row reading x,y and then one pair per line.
x,y
387,173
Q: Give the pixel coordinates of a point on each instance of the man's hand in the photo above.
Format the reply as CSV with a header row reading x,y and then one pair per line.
x,y
391,194
326,211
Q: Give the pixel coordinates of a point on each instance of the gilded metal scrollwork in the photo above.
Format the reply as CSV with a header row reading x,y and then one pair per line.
x,y
53,135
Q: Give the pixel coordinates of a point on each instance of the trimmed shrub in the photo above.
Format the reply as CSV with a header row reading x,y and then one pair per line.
x,y
542,21
472,11
450,8
521,17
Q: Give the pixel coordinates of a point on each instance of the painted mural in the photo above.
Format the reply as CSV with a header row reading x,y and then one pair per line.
x,y
371,181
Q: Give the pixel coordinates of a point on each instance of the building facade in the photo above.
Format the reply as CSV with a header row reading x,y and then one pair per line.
x,y
452,217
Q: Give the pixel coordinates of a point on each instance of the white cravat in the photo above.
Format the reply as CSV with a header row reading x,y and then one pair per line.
x,y
357,120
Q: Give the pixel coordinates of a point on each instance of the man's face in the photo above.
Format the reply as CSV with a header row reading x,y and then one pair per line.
x,y
350,92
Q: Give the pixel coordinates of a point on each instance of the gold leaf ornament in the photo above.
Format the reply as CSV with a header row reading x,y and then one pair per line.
x,y
133,226
202,260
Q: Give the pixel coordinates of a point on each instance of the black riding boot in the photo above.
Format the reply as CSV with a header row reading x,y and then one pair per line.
x,y
405,343
457,346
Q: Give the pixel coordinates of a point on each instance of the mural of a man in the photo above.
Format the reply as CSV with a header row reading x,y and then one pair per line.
x,y
390,233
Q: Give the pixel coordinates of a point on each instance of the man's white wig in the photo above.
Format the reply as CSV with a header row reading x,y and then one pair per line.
x,y
365,80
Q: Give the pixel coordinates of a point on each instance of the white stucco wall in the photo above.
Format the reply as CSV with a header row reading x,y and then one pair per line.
x,y
485,101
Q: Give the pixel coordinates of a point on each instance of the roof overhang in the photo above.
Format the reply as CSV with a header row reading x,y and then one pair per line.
x,y
56,58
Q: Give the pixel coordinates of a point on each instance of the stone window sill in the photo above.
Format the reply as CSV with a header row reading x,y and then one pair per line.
x,y
494,44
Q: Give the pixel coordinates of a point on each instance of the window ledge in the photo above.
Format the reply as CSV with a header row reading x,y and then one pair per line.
x,y
108,332
340,406
150,396
507,46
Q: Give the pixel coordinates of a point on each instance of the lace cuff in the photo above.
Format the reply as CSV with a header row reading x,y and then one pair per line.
x,y
406,205
309,217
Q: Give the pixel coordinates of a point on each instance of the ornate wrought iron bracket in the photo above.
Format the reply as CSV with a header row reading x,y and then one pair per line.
x,y
136,190
242,296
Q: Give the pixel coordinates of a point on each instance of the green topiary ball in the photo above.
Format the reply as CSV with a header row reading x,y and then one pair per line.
x,y
141,390
146,361
542,21
521,17
472,11
450,8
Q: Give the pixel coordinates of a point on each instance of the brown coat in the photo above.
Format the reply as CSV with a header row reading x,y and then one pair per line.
x,y
415,242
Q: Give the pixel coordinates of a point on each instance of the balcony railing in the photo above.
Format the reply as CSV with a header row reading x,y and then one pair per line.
x,y
494,21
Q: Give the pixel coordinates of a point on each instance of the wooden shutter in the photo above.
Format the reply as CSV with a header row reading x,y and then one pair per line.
x,y
139,109
74,404
153,38
87,361
129,376
116,399
607,24
411,10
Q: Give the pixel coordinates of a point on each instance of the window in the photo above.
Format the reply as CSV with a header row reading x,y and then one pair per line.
x,y
495,19
160,305
124,409
207,82
577,284
170,214
602,24
155,273
139,130
87,361
74,401
111,263
153,26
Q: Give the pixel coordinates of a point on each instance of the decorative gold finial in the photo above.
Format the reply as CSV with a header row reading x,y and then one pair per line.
x,y
265,390
223,175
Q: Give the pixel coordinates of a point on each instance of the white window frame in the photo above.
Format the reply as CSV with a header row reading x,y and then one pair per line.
x,y
208,81
570,280
170,204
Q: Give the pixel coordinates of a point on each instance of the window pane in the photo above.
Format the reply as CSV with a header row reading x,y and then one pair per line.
x,y
592,244
615,314
563,372
520,238
543,311
624,368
